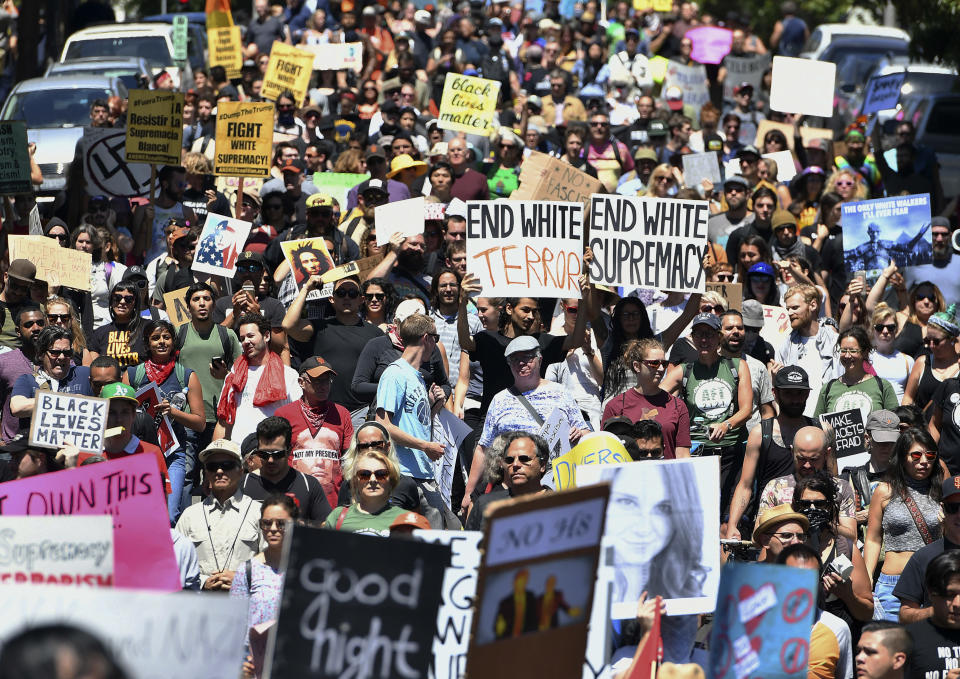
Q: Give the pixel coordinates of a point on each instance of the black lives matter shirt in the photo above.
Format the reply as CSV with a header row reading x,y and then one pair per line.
x,y
936,650
125,345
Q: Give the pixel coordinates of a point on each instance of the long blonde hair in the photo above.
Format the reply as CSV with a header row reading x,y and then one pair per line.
x,y
79,341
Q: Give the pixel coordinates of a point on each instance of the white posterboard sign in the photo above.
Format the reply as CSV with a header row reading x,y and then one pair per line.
x,y
403,217
803,86
786,169
451,431
336,56
882,92
74,551
556,432
60,419
700,166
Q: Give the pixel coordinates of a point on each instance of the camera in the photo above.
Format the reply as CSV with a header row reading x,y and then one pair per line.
x,y
842,566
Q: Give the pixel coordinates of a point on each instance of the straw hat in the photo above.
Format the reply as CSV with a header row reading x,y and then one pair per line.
x,y
774,517
404,162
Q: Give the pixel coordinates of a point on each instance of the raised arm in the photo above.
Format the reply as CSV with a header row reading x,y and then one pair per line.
x,y
469,285
690,309
296,327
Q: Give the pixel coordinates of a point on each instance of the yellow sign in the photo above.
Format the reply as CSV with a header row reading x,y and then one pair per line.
x,y
289,69
226,49
662,5
154,127
599,448
176,305
244,139
56,265
468,104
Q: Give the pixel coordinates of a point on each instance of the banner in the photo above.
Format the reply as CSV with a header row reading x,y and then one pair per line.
x,y
356,605
882,92
151,634
129,489
289,69
155,127
848,428
814,98
56,550
526,248
451,636
700,166
468,104
662,515
763,620
149,398
600,447
180,36
743,70
877,231
15,152
544,177
710,43
220,243
338,56
648,242
402,216
175,304
225,48
732,292
55,264
60,419
692,80
244,139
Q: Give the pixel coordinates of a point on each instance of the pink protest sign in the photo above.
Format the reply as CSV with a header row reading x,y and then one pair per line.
x,y
710,44
129,489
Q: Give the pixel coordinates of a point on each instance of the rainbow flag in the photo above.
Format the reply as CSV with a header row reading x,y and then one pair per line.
x,y
218,14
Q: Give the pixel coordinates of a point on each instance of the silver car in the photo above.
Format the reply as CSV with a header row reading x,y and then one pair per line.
x,y
133,71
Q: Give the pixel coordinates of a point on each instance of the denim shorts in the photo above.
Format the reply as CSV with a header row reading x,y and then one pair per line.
x,y
885,605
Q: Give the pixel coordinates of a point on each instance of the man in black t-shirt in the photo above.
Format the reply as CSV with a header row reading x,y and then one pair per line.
x,y
936,639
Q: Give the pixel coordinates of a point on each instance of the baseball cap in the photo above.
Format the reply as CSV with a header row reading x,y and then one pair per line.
x,y
135,271
410,520
375,185
225,446
523,343
619,426
369,11
762,269
644,153
407,308
315,366
674,97
438,149
738,180
293,165
250,257
121,391
657,128
883,426
743,87
749,148
774,516
752,312
950,488
422,16
319,200
711,320
375,152
23,270
791,377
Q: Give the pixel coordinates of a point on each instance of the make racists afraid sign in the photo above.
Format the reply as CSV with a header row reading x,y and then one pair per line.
x,y
648,242
357,606
848,428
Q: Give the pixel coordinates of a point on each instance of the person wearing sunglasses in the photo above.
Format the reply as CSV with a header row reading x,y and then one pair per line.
x,y
888,361
778,528
609,157
374,476
379,301
225,526
523,465
122,337
904,513
60,312
940,361
855,388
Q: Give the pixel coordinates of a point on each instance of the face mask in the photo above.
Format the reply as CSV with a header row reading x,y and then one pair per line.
x,y
818,518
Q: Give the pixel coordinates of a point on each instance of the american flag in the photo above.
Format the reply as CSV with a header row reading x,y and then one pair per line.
x,y
220,243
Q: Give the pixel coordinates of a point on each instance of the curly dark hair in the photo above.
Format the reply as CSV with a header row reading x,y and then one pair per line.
x,y
897,471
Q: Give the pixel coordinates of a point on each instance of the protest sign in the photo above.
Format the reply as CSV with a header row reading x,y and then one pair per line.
x,y
244,139
358,267
762,624
15,152
180,28
543,177
60,419
648,242
130,489
403,216
220,243
105,168
776,324
878,231
555,430
229,186
336,56
848,426
308,257
149,398
808,134
599,447
815,98
449,658
338,184
535,586
151,634
692,81
732,292
743,70
450,431
700,166
56,265
710,44
155,127
64,550
765,126
786,168
290,68
528,248
468,104
175,303
690,488
357,605
225,48
882,92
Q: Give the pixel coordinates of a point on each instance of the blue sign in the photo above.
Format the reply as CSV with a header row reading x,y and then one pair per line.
x,y
882,92
877,231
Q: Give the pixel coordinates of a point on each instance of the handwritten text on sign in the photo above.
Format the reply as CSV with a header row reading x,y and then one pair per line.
x,y
14,158
60,419
528,248
883,92
848,428
648,242
468,103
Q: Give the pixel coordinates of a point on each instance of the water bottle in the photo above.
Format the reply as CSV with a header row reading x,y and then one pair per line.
x,y
179,400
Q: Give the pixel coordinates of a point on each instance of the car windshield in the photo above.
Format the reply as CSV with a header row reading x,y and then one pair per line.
x,y
854,64
53,108
128,76
928,83
152,48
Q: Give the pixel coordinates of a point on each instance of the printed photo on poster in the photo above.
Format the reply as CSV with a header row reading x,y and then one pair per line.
x,y
220,243
307,257
659,521
877,231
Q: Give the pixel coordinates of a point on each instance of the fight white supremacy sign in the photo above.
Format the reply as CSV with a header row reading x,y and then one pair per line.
x,y
648,242
60,419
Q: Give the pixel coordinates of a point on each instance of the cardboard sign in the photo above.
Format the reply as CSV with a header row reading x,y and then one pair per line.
x,y
15,163
744,70
535,587
555,430
732,292
359,268
290,69
776,324
763,620
807,134
129,489
155,127
55,264
356,605
244,143
786,168
710,43
468,104
543,177
149,397
149,633
402,216
178,310
692,80
338,184
180,22
648,242
451,636
450,431
336,56
528,248
600,447
849,430
691,489
56,550
877,231
307,257
814,98
765,126
220,243
105,168
60,419
700,166
225,48
882,92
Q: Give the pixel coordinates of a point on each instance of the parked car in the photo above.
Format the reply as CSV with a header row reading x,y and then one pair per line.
x,y
56,108
135,72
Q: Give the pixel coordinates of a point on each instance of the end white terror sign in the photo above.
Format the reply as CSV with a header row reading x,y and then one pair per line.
x,y
648,242
60,419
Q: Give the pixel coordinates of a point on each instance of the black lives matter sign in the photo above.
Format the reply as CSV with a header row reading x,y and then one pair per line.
x,y
68,419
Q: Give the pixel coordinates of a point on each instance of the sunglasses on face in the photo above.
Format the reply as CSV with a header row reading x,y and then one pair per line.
x,y
352,293
30,324
653,364
58,318
933,341
380,474
376,296
123,299
651,453
279,525
889,327
724,277
811,504
522,459
571,309
711,308
598,124
225,465
951,507
58,353
783,537
927,297
268,455
372,444
929,455
58,236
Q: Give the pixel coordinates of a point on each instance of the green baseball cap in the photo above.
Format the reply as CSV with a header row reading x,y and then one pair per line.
x,y
119,390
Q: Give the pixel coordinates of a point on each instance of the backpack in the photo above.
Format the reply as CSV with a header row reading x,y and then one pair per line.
x,y
140,375
224,342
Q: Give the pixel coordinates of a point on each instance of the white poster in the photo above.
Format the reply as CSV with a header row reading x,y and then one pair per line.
x,y
56,550
661,530
556,431
700,166
403,216
786,169
449,430
803,86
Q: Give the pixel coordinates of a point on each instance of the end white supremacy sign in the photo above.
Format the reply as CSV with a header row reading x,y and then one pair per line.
x,y
528,248
60,419
648,242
